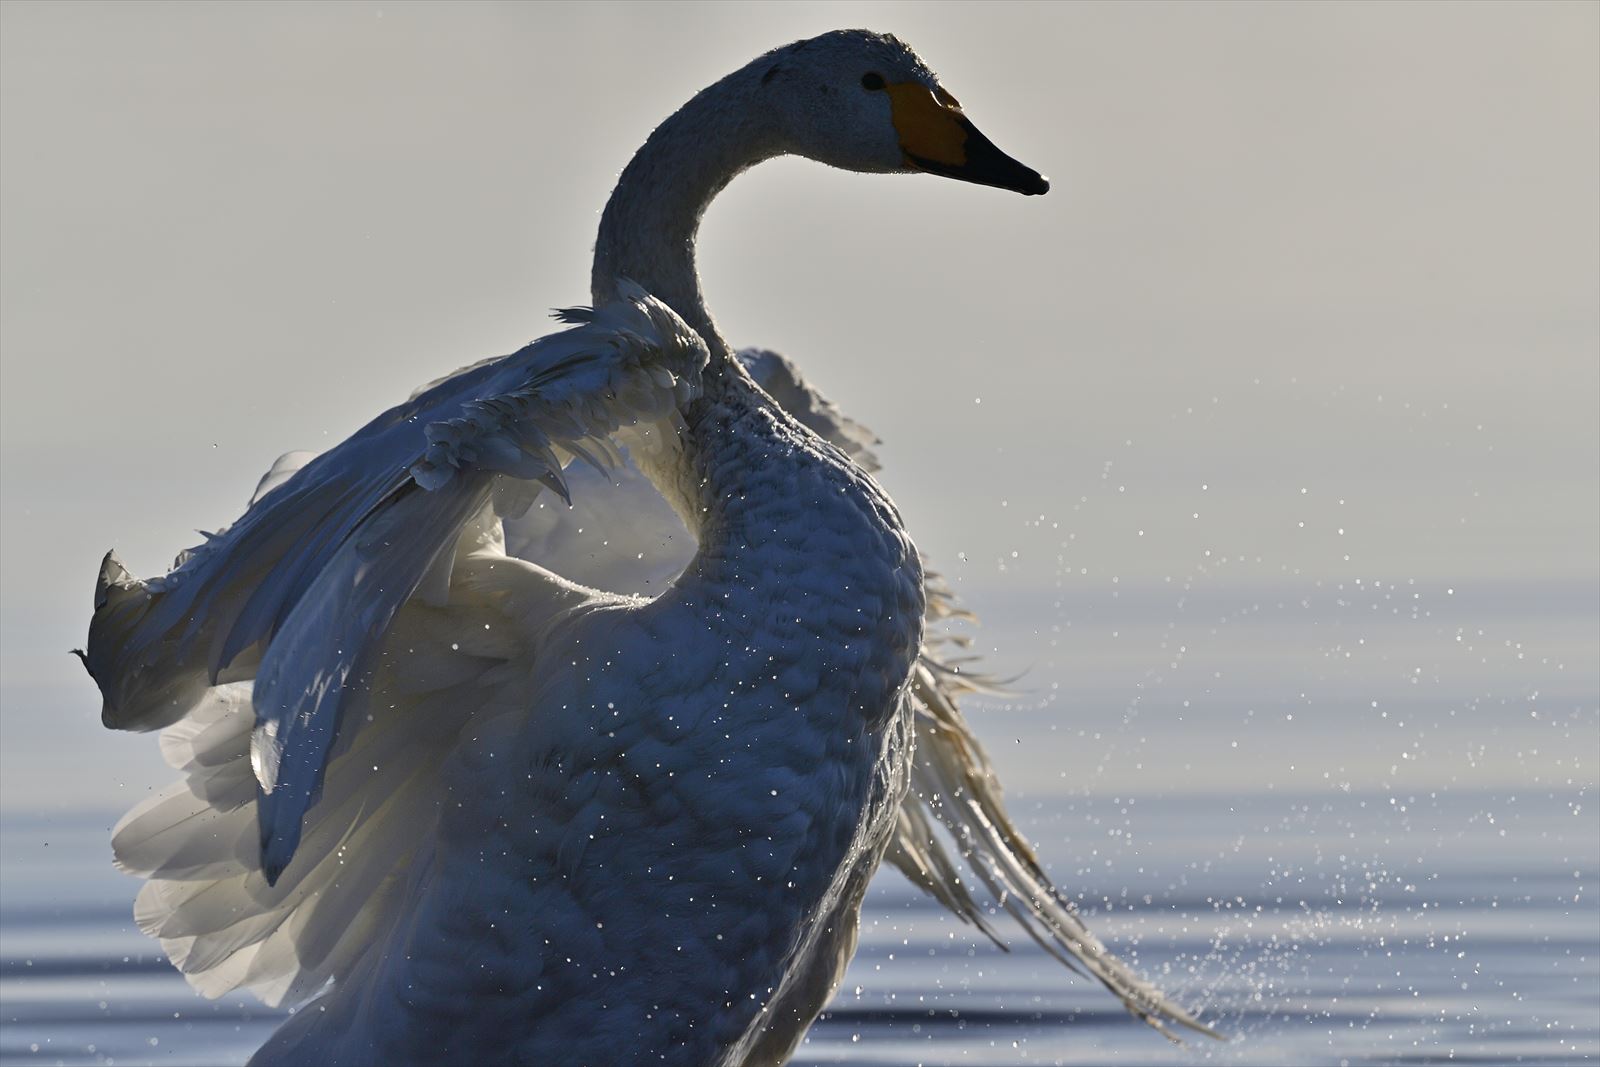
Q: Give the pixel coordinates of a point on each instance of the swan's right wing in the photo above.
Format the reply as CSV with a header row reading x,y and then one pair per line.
x,y
952,783
301,591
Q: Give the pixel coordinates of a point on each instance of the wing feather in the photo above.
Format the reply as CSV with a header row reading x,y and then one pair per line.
x,y
953,784
301,590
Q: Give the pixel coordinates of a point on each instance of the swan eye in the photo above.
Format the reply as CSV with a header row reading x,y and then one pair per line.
x,y
872,82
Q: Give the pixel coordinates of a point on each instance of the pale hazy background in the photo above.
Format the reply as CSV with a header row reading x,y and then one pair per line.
x,y
1277,415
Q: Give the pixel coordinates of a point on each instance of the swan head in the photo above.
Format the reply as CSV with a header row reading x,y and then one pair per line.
x,y
866,102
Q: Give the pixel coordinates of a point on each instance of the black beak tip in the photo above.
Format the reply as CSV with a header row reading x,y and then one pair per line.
x,y
985,164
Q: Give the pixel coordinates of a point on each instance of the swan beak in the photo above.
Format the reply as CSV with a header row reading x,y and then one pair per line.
x,y
936,137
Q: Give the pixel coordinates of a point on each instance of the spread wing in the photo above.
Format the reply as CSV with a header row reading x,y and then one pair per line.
x,y
300,592
952,782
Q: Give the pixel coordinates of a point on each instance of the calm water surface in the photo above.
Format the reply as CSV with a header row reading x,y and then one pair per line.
x,y
1346,927
1353,822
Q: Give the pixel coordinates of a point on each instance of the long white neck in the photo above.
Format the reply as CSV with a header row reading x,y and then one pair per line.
x,y
648,230
748,481
647,235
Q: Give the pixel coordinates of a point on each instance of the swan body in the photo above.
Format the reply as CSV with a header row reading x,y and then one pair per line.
x,y
480,812
743,784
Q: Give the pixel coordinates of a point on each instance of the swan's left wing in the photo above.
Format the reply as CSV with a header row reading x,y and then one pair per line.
x,y
303,587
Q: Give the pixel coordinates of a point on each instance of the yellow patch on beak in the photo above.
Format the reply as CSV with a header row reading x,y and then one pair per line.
x,y
930,126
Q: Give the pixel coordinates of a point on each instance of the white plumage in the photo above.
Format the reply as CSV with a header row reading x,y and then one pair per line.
x,y
484,813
